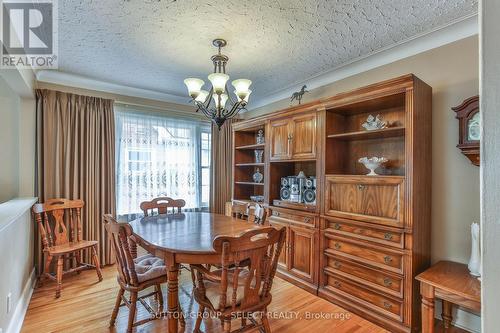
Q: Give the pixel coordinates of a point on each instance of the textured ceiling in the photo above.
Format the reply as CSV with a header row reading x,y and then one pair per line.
x,y
155,44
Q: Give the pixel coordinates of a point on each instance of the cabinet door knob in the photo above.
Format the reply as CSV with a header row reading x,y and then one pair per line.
x,y
361,187
387,259
336,264
387,305
337,284
387,282
337,245
337,226
388,236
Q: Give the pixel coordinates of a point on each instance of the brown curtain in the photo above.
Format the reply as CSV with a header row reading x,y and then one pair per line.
x,y
221,166
76,158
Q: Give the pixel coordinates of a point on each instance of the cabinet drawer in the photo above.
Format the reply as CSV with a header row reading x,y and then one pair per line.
x,y
383,235
384,258
385,305
375,199
383,281
282,215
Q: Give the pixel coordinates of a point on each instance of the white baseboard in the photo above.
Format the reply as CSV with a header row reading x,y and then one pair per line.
x,y
16,322
461,318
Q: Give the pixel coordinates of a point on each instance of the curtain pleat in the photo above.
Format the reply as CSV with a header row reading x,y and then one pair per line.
x,y
76,159
221,166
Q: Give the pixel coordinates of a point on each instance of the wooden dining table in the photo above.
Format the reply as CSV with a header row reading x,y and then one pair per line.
x,y
184,238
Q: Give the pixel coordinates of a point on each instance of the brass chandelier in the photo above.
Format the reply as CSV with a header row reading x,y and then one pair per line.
x,y
217,104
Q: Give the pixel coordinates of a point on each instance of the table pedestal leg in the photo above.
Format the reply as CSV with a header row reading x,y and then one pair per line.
x,y
173,298
427,293
446,314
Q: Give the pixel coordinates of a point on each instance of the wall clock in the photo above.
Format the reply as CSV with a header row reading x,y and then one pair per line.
x,y
469,119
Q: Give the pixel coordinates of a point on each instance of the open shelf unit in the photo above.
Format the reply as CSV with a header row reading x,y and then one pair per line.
x,y
245,164
347,141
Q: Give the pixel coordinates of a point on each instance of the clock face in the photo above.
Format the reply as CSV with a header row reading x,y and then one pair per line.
x,y
474,128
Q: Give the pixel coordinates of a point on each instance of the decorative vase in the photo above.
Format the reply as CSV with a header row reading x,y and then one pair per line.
x,y
260,137
258,155
257,176
475,254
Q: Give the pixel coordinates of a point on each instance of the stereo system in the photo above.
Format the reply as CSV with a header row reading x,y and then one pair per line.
x,y
298,189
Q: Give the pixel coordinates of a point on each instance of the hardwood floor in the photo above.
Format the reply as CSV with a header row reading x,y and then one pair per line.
x,y
85,306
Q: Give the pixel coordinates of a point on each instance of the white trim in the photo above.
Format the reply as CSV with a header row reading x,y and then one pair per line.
x,y
16,322
463,319
454,31
82,82
11,210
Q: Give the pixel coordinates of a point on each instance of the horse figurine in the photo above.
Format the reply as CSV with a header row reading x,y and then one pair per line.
x,y
298,94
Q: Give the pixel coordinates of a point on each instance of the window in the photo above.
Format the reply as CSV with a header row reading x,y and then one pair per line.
x,y
205,167
159,155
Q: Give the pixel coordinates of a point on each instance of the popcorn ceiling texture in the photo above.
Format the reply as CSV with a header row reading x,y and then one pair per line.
x,y
155,44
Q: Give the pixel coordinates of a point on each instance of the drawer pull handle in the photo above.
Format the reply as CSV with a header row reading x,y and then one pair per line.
x,y
337,226
388,236
337,264
387,305
387,282
387,259
361,187
307,220
337,284
275,213
337,245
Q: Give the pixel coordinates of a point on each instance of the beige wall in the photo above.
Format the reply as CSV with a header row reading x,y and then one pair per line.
x,y
452,71
9,142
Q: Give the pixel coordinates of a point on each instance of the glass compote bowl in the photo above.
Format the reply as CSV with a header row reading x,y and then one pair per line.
x,y
372,163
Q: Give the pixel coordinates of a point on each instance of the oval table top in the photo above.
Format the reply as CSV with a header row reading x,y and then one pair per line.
x,y
189,232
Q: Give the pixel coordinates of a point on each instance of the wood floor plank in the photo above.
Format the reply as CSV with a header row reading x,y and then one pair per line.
x,y
85,306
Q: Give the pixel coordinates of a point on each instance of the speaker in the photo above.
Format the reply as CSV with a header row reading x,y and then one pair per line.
x,y
309,193
285,193
285,189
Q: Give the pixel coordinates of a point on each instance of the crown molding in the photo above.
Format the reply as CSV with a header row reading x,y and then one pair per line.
x,y
82,82
454,31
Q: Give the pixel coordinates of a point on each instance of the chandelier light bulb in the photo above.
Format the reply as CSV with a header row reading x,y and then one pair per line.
x,y
218,82
223,99
202,96
194,86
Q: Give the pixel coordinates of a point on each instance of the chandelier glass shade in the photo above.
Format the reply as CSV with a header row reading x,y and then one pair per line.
x,y
217,103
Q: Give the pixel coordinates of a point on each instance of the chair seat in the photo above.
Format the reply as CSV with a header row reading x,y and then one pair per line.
x,y
149,267
70,247
213,290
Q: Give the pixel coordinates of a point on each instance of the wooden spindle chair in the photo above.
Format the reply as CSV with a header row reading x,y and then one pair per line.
x,y
239,210
162,205
259,214
135,275
53,218
243,283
